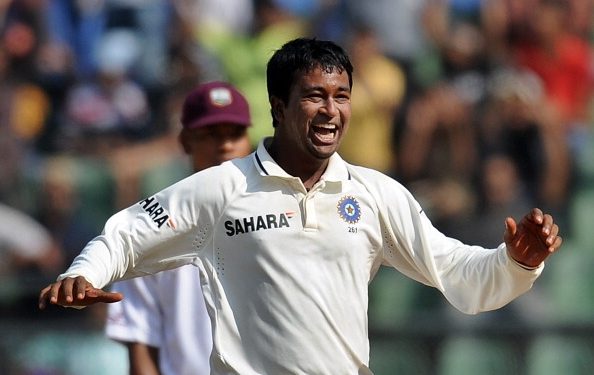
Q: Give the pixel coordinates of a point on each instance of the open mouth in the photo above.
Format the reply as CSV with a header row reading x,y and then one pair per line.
x,y
325,133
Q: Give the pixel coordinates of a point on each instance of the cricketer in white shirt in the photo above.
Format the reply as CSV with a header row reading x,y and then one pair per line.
x,y
285,271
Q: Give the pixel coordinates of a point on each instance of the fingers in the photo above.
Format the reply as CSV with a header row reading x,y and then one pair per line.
x,y
556,244
49,294
543,221
63,292
75,292
63,287
510,229
536,216
549,231
553,241
98,295
80,287
110,297
43,296
553,235
548,227
67,289
532,240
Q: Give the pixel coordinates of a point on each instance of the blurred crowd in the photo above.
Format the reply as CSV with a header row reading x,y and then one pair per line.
x,y
482,108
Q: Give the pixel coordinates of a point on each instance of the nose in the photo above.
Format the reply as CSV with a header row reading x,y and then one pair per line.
x,y
330,108
226,143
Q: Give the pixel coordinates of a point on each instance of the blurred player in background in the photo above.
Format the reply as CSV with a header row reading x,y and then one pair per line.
x,y
25,243
163,320
288,239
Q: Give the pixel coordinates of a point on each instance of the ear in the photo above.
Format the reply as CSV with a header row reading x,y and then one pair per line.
x,y
277,109
183,141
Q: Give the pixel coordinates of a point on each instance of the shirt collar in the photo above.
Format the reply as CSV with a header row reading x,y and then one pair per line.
x,y
337,170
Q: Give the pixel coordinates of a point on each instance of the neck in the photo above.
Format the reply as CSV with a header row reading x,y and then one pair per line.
x,y
308,171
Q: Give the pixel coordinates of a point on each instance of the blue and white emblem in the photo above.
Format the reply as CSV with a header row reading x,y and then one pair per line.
x,y
349,209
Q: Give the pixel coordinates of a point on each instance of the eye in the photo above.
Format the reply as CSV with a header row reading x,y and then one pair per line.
x,y
343,98
314,97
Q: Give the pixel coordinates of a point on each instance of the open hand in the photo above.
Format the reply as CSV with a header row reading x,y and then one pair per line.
x,y
75,292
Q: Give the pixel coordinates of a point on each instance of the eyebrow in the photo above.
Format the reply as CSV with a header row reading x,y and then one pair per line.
x,y
322,88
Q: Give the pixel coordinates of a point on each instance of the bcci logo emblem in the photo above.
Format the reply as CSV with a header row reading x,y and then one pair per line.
x,y
349,209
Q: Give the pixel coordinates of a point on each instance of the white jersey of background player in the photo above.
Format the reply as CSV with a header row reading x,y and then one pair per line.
x,y
163,320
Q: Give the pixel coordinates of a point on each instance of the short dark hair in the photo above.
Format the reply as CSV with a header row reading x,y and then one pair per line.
x,y
302,55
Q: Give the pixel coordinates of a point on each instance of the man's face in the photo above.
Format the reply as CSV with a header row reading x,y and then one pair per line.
x,y
317,114
211,145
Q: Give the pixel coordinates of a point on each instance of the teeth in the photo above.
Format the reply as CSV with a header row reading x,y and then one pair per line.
x,y
326,126
325,133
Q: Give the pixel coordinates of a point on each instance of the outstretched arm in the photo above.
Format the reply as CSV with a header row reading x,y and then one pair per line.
x,y
533,239
75,292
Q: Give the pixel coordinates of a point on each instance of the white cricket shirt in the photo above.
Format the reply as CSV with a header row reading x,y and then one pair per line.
x,y
285,272
166,311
